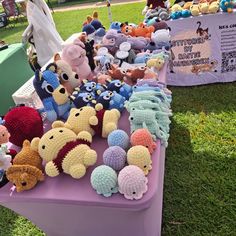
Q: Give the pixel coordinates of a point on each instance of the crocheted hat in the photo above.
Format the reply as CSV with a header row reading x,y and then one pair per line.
x,y
143,137
118,138
115,157
23,123
132,182
104,180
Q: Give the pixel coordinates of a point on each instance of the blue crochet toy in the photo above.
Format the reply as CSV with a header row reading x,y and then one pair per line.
x,y
81,99
52,94
186,13
142,59
116,26
176,15
121,88
115,157
111,100
104,180
227,6
118,138
145,88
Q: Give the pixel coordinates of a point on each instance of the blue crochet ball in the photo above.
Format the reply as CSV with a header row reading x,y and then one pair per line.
x,y
115,157
118,138
104,180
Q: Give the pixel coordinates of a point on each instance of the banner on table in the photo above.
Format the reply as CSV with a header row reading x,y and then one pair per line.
x,y
203,50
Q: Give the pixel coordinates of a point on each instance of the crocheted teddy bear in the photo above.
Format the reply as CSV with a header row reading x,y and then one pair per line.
x,y
26,170
93,120
64,151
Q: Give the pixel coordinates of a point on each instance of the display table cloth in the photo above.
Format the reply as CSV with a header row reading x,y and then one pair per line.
x,y
14,72
203,50
65,206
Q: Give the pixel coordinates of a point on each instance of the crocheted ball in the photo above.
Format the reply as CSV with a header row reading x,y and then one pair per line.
x,y
115,157
143,137
104,180
140,156
132,182
118,138
23,123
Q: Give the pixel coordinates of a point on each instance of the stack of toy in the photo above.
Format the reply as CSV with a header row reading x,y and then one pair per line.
x,y
149,107
127,162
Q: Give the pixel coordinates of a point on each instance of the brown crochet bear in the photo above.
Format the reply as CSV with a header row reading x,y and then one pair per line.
x,y
26,170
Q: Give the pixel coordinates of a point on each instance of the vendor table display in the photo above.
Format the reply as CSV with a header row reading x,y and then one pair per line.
x,y
15,71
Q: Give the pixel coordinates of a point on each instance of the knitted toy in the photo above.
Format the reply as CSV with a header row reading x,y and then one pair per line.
x,y
161,36
204,7
75,56
26,170
145,88
134,74
144,31
90,18
111,100
185,13
53,95
187,5
115,157
121,88
156,64
118,138
104,59
176,15
214,7
64,151
195,11
227,5
116,72
68,78
160,25
143,137
125,53
150,82
104,180
140,156
176,7
116,26
153,4
81,99
127,29
132,182
5,160
93,120
22,126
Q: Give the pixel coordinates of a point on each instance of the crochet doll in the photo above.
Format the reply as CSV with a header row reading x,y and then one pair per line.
x,y
153,4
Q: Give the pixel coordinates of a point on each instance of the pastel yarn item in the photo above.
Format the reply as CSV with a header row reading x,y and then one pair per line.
x,y
5,160
118,138
22,126
143,137
145,88
27,169
227,5
132,182
116,26
104,180
140,156
64,151
115,157
150,82
4,135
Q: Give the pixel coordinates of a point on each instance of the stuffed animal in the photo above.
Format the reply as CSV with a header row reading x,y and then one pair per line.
x,y
116,26
118,138
125,53
134,74
204,7
64,151
92,87
111,100
104,180
27,169
156,64
160,36
187,5
81,99
153,4
132,182
68,78
90,18
93,120
227,6
121,88
176,8
214,7
75,56
160,25
116,72
176,15
185,13
52,94
115,157
22,126
143,31
127,29
5,160
195,11
143,137
140,156
4,135
102,78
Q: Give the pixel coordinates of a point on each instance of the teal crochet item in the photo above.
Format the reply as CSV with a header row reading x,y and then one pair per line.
x,y
104,180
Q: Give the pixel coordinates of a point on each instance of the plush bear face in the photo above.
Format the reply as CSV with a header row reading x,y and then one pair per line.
x,y
52,142
81,119
4,134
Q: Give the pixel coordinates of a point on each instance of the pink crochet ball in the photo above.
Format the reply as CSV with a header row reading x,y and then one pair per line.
x,y
115,157
143,137
132,182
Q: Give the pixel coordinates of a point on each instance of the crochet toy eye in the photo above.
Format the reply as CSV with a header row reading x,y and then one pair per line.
x,y
81,109
64,76
145,167
134,192
118,84
77,114
146,146
3,135
133,109
61,131
107,97
51,137
49,88
76,76
23,184
43,147
131,118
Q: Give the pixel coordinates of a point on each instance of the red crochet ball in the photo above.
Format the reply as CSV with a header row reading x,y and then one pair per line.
x,y
23,123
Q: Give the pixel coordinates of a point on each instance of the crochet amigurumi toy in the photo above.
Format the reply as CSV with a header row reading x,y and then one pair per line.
x,y
104,180
93,120
132,182
23,123
111,100
140,156
118,138
82,99
52,94
64,151
5,160
143,137
115,157
27,169
227,5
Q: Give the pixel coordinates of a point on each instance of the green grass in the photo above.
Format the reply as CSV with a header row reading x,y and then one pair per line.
x,y
199,189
